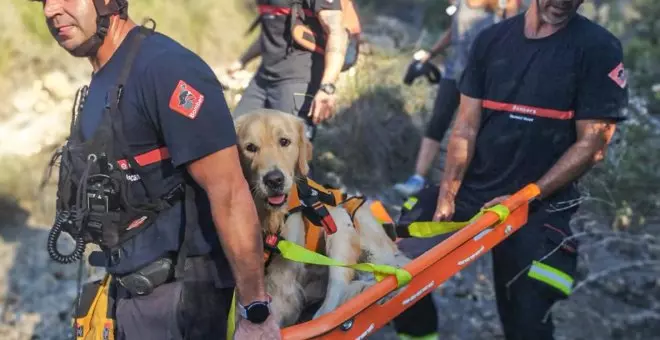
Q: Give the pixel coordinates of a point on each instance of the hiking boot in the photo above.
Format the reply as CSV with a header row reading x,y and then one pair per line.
x,y
410,187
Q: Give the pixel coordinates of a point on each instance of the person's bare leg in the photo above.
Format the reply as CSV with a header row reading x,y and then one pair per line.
x,y
427,152
425,157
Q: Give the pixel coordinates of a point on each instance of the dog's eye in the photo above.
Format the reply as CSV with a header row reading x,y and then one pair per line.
x,y
251,147
284,142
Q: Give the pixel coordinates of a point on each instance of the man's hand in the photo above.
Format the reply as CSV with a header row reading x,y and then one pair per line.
x,y
235,218
495,201
422,55
444,209
323,107
269,330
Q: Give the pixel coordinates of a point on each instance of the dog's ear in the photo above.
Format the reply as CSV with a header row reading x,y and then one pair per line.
x,y
305,151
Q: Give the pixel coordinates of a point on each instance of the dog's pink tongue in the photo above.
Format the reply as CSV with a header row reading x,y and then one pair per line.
x,y
276,200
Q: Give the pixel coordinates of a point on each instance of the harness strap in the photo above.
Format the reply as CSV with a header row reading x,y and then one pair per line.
x,y
313,208
270,247
146,158
297,253
117,116
313,237
431,229
185,233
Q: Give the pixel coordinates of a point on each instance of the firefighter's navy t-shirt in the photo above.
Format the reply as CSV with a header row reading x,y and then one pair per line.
x,y
298,65
533,92
171,99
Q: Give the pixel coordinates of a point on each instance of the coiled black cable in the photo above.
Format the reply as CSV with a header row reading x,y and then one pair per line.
x,y
54,235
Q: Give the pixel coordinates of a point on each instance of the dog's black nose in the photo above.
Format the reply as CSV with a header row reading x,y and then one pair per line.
x,y
274,179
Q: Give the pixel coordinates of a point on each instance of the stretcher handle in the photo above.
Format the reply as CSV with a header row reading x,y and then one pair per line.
x,y
373,294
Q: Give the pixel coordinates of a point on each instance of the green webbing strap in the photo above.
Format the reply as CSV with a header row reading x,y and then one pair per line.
x,y
297,253
552,276
430,229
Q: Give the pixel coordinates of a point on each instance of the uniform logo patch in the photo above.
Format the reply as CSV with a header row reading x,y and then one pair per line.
x,y
186,100
618,75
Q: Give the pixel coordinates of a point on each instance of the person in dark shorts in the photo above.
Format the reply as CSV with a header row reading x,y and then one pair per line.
x,y
470,18
155,120
541,95
291,78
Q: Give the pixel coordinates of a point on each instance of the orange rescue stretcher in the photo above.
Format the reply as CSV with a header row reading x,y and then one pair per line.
x,y
363,315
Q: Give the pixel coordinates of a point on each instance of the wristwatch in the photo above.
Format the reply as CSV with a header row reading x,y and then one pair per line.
x,y
328,88
256,312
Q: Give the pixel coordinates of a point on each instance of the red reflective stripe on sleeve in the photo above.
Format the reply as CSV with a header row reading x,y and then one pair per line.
x,y
152,156
147,158
529,110
275,10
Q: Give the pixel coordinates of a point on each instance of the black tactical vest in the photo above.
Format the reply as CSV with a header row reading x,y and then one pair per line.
x,y
94,200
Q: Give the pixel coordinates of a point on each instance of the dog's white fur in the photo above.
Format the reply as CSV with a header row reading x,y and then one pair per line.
x,y
273,140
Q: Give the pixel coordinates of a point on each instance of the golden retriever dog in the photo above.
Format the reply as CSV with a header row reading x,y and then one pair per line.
x,y
274,153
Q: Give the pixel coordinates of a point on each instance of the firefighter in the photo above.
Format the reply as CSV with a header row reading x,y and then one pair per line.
x,y
468,19
292,78
151,174
541,95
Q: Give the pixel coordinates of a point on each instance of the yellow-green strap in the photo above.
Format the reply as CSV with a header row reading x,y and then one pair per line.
x,y
430,229
231,319
297,253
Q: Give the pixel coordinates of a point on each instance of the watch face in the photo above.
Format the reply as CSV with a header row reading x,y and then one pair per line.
x,y
258,313
328,88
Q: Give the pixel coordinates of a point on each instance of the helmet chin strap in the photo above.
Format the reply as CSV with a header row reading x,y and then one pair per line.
x,y
90,47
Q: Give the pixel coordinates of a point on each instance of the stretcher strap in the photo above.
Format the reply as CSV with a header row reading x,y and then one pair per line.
x,y
430,229
294,252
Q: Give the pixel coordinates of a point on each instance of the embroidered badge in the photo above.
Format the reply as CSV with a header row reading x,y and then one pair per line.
x,y
186,100
618,74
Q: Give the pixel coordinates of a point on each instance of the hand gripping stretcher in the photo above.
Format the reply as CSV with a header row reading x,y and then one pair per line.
x,y
363,315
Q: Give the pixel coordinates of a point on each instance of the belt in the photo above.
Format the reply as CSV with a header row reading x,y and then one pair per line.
x,y
143,282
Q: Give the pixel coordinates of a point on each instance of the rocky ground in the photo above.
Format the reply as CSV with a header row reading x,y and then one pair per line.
x,y
371,145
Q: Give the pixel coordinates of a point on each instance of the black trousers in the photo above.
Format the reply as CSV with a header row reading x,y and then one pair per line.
x,y
522,302
195,308
444,107
291,97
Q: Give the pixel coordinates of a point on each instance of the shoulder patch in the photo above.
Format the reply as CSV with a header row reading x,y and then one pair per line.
x,y
618,75
185,100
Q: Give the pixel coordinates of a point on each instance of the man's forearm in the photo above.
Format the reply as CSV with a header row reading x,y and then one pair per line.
x,y
253,51
589,149
239,230
442,43
460,149
579,158
335,47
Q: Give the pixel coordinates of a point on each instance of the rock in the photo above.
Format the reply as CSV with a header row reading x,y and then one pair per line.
x,y
58,84
28,133
24,100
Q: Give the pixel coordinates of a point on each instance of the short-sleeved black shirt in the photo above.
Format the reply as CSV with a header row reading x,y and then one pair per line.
x,y
299,65
533,91
171,99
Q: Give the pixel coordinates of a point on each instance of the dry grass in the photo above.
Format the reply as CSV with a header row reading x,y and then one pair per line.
x,y
214,29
